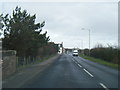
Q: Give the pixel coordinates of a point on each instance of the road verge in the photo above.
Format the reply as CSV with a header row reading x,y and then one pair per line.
x,y
100,61
25,74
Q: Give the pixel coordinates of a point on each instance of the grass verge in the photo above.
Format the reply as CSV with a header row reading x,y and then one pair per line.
x,y
43,59
37,61
100,61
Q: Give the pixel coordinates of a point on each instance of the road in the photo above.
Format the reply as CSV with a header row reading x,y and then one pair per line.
x,y
75,72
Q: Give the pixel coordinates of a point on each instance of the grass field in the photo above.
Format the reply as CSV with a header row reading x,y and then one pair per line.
x,y
100,61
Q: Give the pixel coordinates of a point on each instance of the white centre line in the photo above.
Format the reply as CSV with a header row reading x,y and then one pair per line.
x,y
104,86
79,65
88,72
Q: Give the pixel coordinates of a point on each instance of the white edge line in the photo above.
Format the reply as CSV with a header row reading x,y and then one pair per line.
x,y
79,65
104,86
88,72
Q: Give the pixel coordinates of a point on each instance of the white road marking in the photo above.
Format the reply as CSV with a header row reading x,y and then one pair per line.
x,y
104,86
79,65
88,73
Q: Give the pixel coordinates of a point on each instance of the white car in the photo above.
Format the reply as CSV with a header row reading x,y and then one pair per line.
x,y
75,52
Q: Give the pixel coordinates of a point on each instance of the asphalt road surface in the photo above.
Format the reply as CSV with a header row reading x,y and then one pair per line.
x,y
75,72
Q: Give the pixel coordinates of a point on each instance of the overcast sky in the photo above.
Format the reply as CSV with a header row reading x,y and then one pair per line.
x,y
64,21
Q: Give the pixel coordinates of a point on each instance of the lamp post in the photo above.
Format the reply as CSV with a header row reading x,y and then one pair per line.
x,y
89,38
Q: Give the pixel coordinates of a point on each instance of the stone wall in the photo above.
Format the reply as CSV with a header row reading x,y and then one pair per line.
x,y
9,63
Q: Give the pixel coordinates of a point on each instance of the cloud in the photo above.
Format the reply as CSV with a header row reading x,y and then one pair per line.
x,y
65,20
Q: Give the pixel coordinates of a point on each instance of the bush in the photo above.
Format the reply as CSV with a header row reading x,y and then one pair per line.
x,y
109,54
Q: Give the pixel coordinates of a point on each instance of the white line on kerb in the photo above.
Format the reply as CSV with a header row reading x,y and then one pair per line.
x,y
88,72
79,65
104,86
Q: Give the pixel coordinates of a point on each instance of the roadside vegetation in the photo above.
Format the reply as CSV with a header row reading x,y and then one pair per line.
x,y
100,61
21,33
36,62
108,56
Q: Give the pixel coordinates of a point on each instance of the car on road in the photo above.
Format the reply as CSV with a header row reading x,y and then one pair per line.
x,y
75,52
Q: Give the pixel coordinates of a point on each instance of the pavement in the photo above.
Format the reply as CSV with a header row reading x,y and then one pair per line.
x,y
67,71
24,75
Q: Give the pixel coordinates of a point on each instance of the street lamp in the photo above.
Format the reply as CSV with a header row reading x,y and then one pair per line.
x,y
89,38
